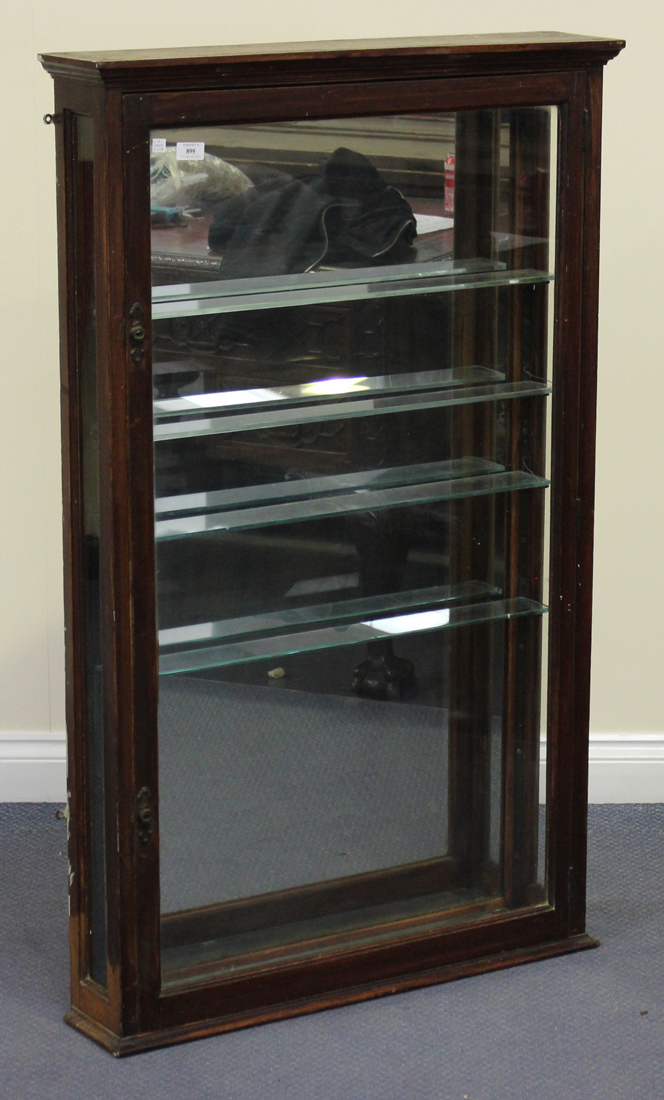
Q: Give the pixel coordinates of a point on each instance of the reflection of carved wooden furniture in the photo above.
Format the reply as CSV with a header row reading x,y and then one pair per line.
x,y
282,473
253,350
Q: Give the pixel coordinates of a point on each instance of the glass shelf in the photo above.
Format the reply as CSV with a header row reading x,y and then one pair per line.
x,y
313,487
315,288
326,277
326,637
344,504
297,617
323,389
361,406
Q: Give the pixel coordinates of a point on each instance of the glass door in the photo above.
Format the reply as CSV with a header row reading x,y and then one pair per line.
x,y
351,367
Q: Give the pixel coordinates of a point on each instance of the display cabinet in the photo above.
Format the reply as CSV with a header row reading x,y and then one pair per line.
x,y
329,319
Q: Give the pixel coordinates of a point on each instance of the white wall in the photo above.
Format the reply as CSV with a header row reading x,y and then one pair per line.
x,y
628,685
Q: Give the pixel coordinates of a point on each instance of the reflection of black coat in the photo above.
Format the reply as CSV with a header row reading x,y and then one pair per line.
x,y
347,215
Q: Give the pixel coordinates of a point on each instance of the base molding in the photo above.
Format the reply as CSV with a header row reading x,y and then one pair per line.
x,y
122,1046
33,767
624,767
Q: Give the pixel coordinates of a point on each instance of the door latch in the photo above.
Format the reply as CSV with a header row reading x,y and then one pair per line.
x,y
136,333
144,815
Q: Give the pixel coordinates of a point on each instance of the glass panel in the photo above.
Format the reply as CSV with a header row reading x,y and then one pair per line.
x,y
340,609
418,622
326,390
423,492
333,810
310,487
351,340
265,297
83,212
445,398
413,274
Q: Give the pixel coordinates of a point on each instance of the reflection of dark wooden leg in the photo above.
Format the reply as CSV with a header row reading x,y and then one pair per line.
x,y
170,383
383,675
382,540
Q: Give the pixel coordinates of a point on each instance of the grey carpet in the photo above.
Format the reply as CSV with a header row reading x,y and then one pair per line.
x,y
254,773
583,1027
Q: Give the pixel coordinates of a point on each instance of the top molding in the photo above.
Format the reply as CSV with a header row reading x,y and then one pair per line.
x,y
332,62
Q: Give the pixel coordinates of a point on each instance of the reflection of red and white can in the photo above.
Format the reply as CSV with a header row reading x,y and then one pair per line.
x,y
449,184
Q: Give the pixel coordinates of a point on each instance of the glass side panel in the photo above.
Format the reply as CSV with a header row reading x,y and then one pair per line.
x,y
351,333
82,189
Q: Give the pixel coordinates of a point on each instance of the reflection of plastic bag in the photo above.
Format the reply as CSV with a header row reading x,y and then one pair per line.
x,y
185,183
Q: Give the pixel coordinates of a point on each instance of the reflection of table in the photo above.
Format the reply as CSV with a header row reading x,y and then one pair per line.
x,y
180,253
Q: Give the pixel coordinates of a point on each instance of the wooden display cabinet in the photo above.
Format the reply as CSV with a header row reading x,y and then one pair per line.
x,y
329,327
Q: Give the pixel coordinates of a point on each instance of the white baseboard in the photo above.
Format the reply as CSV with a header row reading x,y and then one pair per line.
x,y
624,767
33,767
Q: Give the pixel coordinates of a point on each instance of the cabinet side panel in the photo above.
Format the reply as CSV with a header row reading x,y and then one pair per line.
x,y
85,306
71,497
81,427
77,131
571,514
586,484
